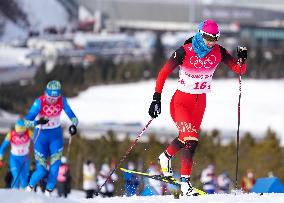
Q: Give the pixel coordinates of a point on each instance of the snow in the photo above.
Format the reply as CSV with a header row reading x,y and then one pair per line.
x,y
261,105
12,31
40,14
12,196
14,55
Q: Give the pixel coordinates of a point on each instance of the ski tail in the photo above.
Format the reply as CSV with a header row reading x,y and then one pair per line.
x,y
161,178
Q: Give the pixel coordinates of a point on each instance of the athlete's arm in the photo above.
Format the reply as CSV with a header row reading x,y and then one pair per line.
x,y
175,60
33,112
69,112
232,62
4,145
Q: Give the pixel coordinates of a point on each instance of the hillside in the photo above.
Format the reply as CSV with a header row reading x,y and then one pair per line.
x,y
22,16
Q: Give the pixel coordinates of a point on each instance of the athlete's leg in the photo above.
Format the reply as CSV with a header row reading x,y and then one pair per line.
x,y
195,107
40,153
199,110
176,144
172,149
15,169
55,147
185,105
186,158
24,176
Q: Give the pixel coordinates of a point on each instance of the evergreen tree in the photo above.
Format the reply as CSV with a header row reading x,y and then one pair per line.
x,y
159,56
268,154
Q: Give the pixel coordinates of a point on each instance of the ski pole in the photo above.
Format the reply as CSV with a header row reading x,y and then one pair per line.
x,y
238,131
68,148
25,160
126,154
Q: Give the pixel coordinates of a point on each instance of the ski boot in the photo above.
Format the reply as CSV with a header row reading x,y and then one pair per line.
x,y
30,188
186,187
47,192
166,165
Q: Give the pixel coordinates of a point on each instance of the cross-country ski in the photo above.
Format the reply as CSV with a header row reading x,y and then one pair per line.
x,y
168,180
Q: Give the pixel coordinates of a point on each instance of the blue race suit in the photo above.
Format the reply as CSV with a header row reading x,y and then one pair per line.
x,y
48,138
19,156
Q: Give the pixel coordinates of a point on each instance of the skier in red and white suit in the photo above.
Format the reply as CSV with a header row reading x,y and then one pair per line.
x,y
198,58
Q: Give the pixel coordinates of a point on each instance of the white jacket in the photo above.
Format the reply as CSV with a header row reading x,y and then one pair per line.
x,y
155,184
102,176
89,172
208,179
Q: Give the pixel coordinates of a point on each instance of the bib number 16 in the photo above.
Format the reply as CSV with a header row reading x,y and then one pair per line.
x,y
202,86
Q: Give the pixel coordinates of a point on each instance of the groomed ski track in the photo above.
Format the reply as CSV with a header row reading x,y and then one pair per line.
x,y
15,196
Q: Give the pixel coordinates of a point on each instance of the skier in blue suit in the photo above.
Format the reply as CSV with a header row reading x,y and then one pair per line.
x,y
19,162
48,137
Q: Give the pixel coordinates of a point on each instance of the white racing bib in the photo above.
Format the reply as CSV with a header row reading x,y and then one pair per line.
x,y
20,150
195,75
194,83
53,122
20,143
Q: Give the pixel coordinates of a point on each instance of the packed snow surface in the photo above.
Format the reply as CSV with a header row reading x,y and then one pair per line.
x,y
12,196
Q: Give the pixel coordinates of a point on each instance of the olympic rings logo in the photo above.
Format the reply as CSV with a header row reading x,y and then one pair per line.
x,y
51,110
19,139
207,63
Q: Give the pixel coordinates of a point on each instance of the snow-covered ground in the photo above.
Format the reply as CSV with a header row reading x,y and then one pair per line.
x,y
12,196
261,105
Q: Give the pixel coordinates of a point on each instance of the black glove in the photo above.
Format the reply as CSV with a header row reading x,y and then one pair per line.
x,y
42,121
155,107
242,54
73,130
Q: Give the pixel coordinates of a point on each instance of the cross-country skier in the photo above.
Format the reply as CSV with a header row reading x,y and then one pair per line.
x,y
19,162
48,137
198,58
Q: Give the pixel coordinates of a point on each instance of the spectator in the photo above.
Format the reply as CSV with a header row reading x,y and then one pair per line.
x,y
224,182
248,181
208,179
131,181
157,187
108,189
63,178
270,174
89,183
